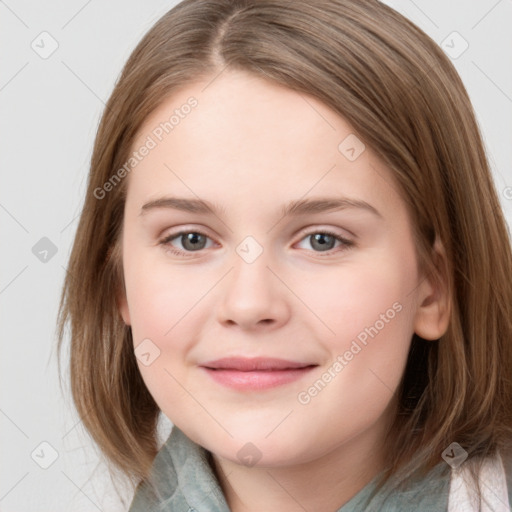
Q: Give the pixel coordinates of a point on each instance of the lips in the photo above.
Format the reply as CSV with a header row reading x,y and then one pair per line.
x,y
245,364
255,374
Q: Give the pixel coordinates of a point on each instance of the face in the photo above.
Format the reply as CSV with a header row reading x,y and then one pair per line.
x,y
332,289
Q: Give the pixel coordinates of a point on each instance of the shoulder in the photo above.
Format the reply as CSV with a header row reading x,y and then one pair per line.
x,y
181,480
161,488
507,466
495,481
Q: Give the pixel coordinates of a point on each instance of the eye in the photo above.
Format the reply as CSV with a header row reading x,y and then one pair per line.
x,y
324,241
191,241
195,241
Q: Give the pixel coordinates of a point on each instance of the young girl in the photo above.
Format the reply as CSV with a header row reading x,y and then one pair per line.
x,y
292,247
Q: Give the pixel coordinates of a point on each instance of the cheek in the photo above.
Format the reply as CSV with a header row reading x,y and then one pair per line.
x,y
367,355
373,293
159,297
369,311
161,310
164,306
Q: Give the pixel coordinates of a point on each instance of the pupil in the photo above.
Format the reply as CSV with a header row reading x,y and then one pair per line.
x,y
192,239
320,239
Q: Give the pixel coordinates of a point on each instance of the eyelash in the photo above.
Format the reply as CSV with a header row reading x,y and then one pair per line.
x,y
168,248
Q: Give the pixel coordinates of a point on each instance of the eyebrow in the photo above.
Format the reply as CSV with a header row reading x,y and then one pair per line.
x,y
293,208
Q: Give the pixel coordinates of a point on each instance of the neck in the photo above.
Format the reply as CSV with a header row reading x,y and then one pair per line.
x,y
322,484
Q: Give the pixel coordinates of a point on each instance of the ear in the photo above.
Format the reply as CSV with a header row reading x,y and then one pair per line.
x,y
434,303
122,305
114,254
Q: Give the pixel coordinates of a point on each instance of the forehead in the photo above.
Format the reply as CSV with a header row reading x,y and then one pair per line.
x,y
239,139
238,114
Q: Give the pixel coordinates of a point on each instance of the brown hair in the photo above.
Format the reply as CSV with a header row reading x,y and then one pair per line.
x,y
405,100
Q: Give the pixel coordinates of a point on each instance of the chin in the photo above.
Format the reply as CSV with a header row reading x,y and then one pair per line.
x,y
256,451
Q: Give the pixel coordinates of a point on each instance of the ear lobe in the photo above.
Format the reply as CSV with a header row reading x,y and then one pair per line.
x,y
434,302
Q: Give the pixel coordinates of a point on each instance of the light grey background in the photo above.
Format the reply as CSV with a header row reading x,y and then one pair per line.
x,y
50,111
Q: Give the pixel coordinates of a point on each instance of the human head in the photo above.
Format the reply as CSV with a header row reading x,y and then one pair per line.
x,y
405,101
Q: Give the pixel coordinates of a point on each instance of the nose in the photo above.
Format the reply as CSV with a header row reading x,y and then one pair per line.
x,y
253,296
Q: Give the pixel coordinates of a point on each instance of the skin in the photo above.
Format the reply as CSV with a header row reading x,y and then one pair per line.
x,y
251,146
